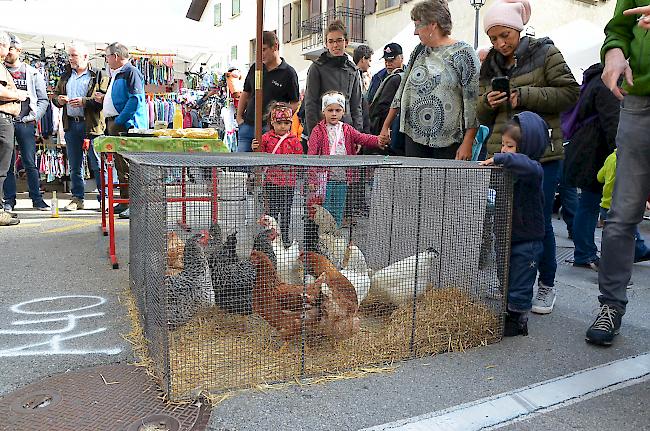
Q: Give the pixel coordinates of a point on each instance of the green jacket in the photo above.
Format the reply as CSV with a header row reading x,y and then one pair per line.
x,y
607,175
622,32
545,84
93,116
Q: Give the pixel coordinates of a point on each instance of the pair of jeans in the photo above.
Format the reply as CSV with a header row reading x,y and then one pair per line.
x,y
280,200
524,259
26,137
584,226
335,195
6,148
74,138
568,199
547,263
121,165
631,190
640,249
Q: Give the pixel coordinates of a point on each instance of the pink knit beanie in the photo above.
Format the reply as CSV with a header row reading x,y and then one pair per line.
x,y
508,13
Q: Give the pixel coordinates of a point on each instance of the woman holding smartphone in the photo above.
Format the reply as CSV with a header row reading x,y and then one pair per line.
x,y
540,81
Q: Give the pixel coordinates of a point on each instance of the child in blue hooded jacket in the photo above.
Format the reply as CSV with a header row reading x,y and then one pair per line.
x,y
525,138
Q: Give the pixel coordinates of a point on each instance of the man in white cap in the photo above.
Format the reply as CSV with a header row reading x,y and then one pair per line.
x,y
10,98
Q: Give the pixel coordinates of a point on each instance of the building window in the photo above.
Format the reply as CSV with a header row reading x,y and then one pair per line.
x,y
296,22
385,4
217,14
235,8
233,52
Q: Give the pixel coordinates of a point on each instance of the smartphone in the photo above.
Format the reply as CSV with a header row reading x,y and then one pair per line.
x,y
501,83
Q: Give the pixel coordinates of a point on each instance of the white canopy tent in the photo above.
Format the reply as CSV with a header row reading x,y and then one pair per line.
x,y
143,25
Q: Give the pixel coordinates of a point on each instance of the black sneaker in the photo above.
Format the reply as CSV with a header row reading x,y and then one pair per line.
x,y
515,324
606,326
119,208
41,206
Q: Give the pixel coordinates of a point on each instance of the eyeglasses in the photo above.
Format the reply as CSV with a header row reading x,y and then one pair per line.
x,y
339,41
419,25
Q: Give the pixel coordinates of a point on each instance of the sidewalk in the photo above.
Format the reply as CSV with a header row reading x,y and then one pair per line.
x,y
32,256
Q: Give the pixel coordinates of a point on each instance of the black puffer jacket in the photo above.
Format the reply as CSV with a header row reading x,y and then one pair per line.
x,y
595,139
330,73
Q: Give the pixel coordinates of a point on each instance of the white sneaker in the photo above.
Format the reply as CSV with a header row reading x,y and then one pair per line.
x,y
544,301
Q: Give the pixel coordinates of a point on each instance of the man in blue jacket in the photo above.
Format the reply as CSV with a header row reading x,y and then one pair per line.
x,y
124,108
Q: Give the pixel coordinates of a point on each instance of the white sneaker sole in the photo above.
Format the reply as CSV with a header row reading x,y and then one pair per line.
x,y
543,310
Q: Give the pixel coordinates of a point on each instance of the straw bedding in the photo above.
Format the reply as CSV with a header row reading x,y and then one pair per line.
x,y
218,352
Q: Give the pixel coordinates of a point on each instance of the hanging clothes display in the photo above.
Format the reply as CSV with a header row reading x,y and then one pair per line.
x,y
156,69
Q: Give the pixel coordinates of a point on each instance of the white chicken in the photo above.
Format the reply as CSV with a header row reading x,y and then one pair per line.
x,y
331,241
355,269
396,282
290,269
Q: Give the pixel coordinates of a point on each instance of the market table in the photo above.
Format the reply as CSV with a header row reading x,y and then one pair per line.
x,y
108,145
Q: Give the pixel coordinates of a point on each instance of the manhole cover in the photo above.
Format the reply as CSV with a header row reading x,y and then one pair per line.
x,y
36,402
155,423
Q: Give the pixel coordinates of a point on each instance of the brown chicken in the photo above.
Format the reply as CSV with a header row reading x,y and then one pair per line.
x,y
339,305
281,304
175,250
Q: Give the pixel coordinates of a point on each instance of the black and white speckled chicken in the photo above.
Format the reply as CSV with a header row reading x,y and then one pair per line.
x,y
232,278
192,288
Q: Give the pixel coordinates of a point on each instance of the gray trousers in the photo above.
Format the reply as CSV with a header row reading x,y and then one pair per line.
x,y
6,148
631,190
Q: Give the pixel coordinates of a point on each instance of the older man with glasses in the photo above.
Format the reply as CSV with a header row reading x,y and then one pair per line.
x,y
124,108
82,117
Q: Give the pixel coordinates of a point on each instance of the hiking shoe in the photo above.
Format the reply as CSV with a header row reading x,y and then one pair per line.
x,y
74,205
124,214
6,219
544,301
516,323
593,265
606,326
41,206
119,208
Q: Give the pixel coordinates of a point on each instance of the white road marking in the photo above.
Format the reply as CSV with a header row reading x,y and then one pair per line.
x,y
523,403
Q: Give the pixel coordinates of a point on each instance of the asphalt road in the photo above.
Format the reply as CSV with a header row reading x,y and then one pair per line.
x,y
64,259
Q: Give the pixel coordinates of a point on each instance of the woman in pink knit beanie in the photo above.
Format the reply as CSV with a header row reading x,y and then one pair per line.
x,y
539,81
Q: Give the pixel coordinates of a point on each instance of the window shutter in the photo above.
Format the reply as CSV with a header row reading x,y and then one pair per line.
x,y
331,5
315,8
286,23
369,7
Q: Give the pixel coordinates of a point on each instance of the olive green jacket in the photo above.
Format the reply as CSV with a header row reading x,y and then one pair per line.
x,y
93,116
545,85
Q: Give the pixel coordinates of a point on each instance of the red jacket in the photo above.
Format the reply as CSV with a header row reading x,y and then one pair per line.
x,y
319,144
291,145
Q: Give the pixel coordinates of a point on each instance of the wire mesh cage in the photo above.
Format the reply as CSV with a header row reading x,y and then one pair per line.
x,y
261,268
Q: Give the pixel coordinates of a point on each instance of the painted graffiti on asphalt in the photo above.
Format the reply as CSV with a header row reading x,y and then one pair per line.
x,y
45,312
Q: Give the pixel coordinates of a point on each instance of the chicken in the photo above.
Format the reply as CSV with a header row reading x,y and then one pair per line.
x,y
192,287
339,305
175,251
262,242
232,278
289,269
356,270
396,283
333,246
281,309
325,220
215,240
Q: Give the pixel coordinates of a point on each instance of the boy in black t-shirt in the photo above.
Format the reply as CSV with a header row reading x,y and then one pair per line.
x,y
279,83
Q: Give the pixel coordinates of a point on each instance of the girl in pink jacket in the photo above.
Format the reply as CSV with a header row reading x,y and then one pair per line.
x,y
332,137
